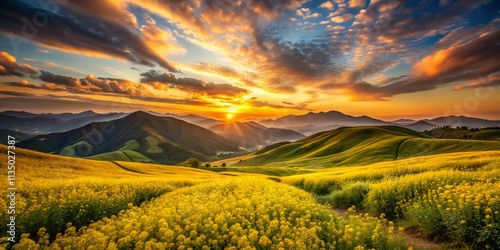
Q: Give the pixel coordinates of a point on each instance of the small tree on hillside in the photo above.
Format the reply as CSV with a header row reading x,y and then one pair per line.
x,y
207,165
223,164
191,162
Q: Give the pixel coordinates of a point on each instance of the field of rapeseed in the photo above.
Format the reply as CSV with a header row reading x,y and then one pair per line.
x,y
240,213
54,204
454,198
104,205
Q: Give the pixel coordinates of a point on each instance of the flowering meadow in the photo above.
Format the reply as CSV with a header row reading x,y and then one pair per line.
x,y
240,213
453,199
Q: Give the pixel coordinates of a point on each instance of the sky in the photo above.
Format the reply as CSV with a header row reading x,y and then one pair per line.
x,y
259,59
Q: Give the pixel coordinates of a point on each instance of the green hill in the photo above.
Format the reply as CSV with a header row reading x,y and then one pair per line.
x,y
359,145
489,134
122,155
160,139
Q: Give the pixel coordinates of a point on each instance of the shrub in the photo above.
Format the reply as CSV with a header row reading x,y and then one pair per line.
x,y
191,162
463,213
351,195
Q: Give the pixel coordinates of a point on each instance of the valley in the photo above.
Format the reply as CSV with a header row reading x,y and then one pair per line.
x,y
102,186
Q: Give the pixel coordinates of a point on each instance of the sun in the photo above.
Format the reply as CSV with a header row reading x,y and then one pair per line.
x,y
229,116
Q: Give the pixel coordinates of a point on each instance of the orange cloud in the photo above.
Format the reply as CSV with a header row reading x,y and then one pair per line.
x,y
341,19
10,67
327,5
433,64
160,40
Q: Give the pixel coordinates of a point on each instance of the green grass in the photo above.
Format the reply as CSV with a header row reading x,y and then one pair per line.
x,y
153,147
358,146
131,145
274,171
453,197
121,155
71,150
490,134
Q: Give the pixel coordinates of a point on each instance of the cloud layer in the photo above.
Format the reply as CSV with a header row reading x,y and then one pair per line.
x,y
233,50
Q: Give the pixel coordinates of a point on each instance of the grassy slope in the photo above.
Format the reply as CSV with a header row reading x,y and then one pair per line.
x,y
72,150
122,155
32,165
131,145
163,139
357,146
490,134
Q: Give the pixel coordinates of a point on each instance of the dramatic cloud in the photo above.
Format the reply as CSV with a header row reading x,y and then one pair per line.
x,y
476,60
23,84
283,50
288,105
48,64
15,93
92,85
59,79
230,28
160,40
83,33
110,10
484,82
190,85
246,78
10,67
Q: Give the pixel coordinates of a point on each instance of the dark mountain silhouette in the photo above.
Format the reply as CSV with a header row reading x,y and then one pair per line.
x,y
463,121
420,126
403,121
32,125
19,136
50,123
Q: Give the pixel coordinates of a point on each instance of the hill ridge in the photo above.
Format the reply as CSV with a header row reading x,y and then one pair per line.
x,y
357,146
162,139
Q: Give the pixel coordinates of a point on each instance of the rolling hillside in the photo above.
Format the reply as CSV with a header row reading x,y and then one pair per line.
x,y
489,134
251,134
32,166
358,145
162,139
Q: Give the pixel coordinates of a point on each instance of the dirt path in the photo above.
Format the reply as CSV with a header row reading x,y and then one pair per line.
x,y
411,237
397,149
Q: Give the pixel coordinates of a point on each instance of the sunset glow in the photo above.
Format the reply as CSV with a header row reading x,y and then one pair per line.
x,y
386,59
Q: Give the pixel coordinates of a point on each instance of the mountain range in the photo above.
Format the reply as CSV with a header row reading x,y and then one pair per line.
x,y
311,122
169,138
307,124
30,123
139,136
252,134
